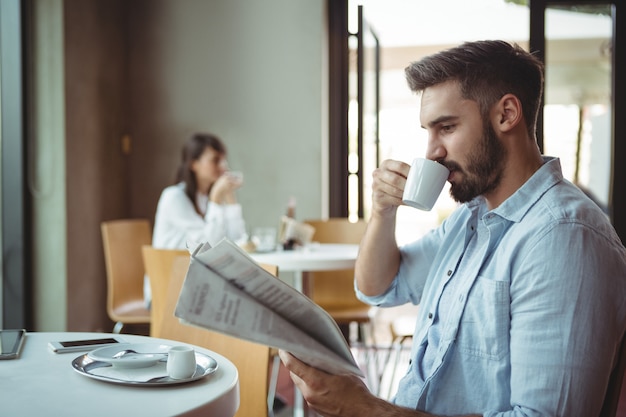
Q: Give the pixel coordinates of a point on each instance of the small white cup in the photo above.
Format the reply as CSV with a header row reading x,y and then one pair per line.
x,y
181,362
424,183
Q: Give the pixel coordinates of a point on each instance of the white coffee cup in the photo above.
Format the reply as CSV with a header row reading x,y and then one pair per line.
x,y
424,183
181,362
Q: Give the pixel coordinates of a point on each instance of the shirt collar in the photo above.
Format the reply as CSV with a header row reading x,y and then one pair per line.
x,y
517,205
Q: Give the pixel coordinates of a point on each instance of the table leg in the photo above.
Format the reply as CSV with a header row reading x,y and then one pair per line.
x,y
298,281
298,403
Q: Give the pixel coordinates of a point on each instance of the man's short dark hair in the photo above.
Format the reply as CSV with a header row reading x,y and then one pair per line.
x,y
486,71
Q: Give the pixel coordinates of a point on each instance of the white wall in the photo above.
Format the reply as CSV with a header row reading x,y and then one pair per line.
x,y
252,72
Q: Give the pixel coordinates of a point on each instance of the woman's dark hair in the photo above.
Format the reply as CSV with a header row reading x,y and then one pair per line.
x,y
486,71
192,150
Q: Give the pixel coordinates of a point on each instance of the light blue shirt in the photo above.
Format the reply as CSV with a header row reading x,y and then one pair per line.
x,y
522,307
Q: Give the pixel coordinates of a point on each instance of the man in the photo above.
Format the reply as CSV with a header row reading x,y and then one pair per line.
x,y
522,289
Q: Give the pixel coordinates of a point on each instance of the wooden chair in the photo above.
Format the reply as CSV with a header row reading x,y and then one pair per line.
x,y
158,264
251,359
122,241
334,290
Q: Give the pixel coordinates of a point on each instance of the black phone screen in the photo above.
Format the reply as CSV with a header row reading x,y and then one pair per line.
x,y
73,343
10,341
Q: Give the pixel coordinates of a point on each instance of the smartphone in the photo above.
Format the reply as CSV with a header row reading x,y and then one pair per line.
x,y
11,342
83,345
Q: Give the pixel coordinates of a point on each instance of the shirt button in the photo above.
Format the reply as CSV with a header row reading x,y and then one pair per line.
x,y
430,315
449,272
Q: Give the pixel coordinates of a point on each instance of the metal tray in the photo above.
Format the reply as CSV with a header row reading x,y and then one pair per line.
x,y
154,376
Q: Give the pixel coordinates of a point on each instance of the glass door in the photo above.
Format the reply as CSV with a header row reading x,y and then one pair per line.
x,y
584,48
577,109
363,114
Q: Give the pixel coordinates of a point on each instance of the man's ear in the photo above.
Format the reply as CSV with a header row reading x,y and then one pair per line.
x,y
507,113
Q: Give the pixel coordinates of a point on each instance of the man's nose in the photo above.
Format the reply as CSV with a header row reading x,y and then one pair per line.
x,y
435,150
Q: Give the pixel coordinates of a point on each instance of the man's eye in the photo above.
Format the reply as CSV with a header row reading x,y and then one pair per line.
x,y
447,128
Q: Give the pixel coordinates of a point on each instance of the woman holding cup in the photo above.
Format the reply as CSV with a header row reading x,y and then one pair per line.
x,y
202,205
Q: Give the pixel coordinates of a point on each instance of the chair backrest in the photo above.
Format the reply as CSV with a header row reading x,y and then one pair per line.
x,y
335,289
122,241
158,264
252,360
614,389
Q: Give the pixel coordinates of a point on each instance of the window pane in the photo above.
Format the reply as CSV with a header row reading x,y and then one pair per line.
x,y
577,124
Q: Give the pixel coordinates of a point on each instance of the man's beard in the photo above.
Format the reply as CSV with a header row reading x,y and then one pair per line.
x,y
483,172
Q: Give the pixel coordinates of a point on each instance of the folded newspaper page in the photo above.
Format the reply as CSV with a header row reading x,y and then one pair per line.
x,y
226,291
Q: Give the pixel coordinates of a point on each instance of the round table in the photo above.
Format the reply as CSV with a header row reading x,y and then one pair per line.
x,y
41,382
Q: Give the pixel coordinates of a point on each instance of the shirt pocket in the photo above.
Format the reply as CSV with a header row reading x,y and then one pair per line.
x,y
484,329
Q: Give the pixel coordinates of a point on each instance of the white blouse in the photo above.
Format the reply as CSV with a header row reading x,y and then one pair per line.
x,y
177,225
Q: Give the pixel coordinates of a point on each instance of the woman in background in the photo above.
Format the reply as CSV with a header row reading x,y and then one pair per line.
x,y
202,205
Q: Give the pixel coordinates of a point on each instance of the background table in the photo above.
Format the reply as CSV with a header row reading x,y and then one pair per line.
x,y
41,383
316,257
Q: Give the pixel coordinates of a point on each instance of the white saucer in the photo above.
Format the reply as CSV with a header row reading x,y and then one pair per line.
x,y
148,354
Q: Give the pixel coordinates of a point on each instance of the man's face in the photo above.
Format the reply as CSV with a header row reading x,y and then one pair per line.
x,y
460,140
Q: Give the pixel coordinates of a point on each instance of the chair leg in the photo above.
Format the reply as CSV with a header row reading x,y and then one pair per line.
x,y
383,360
368,334
373,360
358,333
118,327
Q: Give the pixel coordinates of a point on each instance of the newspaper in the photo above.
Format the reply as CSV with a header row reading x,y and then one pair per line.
x,y
226,291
